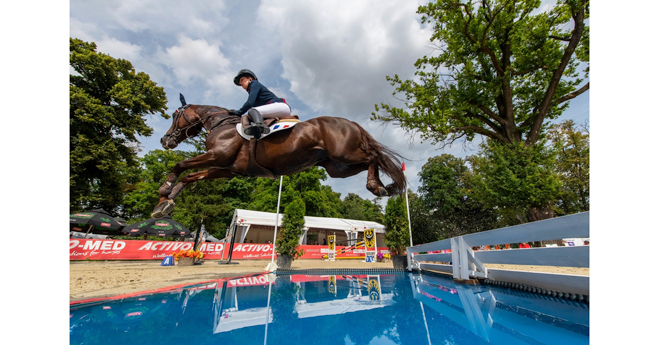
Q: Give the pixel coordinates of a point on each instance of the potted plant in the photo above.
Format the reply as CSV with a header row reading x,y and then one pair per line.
x,y
188,257
293,223
397,236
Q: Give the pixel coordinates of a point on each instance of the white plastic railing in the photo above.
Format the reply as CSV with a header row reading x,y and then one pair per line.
x,y
467,264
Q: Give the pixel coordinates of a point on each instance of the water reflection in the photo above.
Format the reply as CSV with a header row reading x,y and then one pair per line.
x,y
347,309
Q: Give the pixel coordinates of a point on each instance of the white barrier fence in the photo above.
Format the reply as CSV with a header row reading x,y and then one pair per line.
x,y
467,264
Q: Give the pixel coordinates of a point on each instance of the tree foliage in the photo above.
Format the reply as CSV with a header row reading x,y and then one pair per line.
x,y
445,192
354,207
503,70
292,228
520,181
572,146
320,200
397,235
213,200
108,105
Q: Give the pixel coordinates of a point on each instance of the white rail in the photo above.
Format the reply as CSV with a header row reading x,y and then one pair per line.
x,y
467,264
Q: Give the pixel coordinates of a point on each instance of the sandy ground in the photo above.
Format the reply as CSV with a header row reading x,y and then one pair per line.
x,y
93,279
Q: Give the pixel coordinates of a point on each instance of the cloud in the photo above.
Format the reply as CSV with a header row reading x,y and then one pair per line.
x,y
196,60
336,54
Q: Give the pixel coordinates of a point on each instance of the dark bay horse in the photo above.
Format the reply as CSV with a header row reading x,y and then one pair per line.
x,y
340,146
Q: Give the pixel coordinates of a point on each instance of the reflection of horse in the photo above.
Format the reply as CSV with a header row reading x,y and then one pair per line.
x,y
340,146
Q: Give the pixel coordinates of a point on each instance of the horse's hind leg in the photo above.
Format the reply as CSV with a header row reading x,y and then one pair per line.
x,y
166,206
374,185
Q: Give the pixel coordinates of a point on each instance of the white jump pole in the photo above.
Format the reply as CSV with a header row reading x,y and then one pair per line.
x,y
403,168
273,266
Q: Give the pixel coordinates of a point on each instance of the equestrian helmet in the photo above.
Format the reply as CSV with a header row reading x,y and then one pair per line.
x,y
244,73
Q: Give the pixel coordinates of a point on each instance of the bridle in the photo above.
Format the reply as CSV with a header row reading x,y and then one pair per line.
x,y
181,112
177,115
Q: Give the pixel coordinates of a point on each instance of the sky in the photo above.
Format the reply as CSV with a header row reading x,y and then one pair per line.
x,y
35,95
326,58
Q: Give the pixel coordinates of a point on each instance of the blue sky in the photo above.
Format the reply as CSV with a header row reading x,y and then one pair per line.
x,y
324,58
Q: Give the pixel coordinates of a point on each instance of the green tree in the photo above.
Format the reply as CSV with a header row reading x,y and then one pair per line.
x,y
108,105
504,69
292,228
354,207
447,199
140,198
425,227
519,181
320,200
213,200
572,165
397,235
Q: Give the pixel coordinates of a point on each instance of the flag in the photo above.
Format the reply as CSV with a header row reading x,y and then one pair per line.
x,y
403,166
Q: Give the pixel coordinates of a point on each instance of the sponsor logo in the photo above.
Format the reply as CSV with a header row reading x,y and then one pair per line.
x,y
136,313
135,230
332,284
369,238
83,215
105,224
162,224
374,290
106,307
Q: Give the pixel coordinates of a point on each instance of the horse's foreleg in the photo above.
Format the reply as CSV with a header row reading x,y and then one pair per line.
x,y
164,208
209,174
204,160
169,190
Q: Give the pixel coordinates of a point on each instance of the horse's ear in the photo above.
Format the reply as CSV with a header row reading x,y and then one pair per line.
x,y
183,100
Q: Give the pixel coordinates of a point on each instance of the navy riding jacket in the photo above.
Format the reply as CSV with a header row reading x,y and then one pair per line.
x,y
259,95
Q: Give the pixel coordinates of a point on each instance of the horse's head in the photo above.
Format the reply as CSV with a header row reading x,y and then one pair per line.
x,y
186,123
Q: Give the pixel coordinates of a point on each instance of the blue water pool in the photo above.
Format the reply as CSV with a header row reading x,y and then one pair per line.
x,y
399,308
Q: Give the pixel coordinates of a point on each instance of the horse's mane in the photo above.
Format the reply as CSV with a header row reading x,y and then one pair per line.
x,y
207,108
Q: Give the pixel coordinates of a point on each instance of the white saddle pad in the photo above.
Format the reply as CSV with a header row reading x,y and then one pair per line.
x,y
276,127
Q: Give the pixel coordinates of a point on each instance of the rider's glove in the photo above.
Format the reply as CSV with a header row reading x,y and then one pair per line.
x,y
232,112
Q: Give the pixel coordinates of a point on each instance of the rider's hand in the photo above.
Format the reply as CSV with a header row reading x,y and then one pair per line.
x,y
232,112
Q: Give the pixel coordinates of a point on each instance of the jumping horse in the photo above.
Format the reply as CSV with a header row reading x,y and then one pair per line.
x,y
339,145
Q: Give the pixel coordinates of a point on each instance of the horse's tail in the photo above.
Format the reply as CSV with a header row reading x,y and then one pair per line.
x,y
388,161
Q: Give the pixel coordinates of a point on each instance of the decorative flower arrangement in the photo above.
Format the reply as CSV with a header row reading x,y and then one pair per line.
x,y
379,256
188,254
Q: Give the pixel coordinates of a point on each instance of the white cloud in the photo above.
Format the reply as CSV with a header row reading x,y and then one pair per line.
x,y
336,54
119,49
198,61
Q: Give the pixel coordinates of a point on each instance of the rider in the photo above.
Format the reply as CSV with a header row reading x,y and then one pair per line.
x,y
261,103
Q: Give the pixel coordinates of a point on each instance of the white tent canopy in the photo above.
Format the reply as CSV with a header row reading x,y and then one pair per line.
x,y
247,217
243,219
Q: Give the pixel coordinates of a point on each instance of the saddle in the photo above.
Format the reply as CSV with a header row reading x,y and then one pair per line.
x,y
253,168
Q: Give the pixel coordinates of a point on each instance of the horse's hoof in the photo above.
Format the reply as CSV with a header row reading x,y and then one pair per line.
x,y
163,209
382,191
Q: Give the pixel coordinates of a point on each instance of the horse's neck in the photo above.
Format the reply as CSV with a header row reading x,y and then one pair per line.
x,y
214,117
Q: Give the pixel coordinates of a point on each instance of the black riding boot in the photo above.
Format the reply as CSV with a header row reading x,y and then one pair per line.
x,y
258,127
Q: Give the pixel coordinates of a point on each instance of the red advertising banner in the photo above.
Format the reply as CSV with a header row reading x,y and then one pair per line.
x,y
82,249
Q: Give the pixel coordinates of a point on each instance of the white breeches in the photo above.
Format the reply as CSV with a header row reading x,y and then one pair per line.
x,y
274,110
